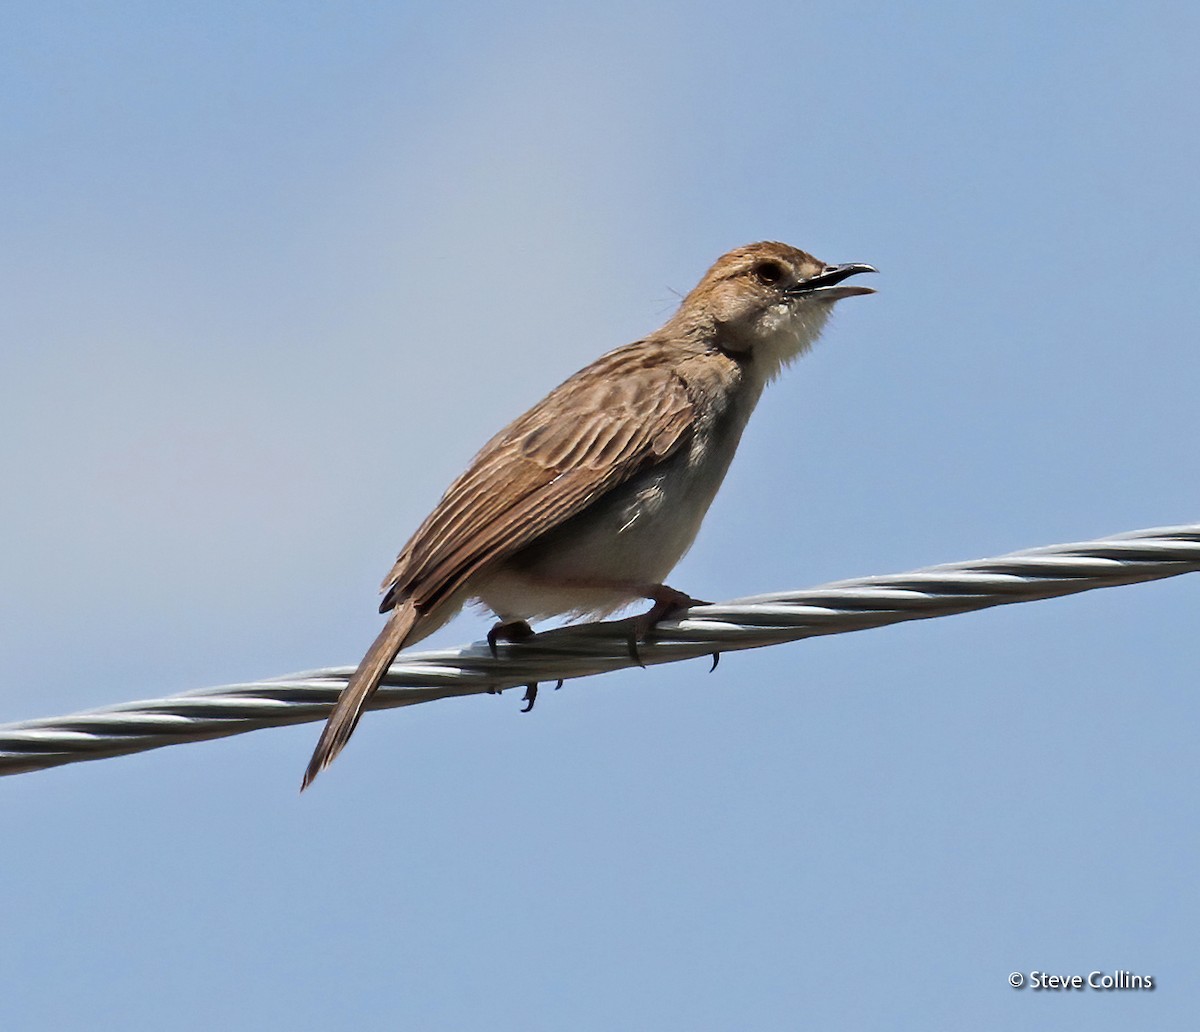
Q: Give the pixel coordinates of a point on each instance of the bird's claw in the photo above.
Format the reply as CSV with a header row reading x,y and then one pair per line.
x,y
531,691
631,644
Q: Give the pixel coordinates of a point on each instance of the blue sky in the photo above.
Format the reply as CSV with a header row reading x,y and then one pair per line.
x,y
269,276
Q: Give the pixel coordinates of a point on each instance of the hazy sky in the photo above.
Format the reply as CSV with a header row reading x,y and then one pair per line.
x,y
269,275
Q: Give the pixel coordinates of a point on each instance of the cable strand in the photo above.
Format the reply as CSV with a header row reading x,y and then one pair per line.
x,y
588,649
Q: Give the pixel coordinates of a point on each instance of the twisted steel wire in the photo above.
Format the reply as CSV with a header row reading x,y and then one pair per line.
x,y
579,651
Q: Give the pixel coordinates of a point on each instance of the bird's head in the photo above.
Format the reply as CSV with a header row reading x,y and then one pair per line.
x,y
768,301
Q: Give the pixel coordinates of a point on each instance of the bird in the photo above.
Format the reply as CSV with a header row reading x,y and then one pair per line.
x,y
586,502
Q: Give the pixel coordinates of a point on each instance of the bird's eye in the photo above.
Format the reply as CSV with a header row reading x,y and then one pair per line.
x,y
768,272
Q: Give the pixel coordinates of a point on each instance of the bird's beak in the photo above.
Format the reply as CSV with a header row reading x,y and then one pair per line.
x,y
822,287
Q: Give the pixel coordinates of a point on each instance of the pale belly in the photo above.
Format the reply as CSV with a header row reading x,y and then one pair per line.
x,y
629,541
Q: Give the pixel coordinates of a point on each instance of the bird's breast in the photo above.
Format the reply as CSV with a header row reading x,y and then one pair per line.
x,y
634,534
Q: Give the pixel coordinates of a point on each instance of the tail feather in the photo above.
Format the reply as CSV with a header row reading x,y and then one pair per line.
x,y
361,686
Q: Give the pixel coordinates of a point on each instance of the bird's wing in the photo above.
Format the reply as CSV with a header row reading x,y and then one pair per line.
x,y
620,415
625,412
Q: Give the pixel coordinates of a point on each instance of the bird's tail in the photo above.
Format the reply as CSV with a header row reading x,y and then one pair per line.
x,y
344,718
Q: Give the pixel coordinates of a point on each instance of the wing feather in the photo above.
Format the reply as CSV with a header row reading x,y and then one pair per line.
x,y
625,412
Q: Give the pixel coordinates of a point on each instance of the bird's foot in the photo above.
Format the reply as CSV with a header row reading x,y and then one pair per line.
x,y
667,602
514,630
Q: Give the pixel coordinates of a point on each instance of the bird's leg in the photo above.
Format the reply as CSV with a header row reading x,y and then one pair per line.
x,y
667,602
514,630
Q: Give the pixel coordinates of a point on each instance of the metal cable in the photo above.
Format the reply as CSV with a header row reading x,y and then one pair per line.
x,y
570,652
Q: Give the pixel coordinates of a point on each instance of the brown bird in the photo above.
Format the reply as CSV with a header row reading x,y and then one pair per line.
x,y
587,501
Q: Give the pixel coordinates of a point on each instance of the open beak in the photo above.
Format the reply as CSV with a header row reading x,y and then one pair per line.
x,y
823,286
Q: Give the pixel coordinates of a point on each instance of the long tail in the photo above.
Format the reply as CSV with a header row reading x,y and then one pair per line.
x,y
344,718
